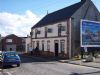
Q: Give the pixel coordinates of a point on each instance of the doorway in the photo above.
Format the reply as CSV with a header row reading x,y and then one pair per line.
x,y
56,48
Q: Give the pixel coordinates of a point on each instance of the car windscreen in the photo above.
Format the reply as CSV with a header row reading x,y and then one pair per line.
x,y
11,54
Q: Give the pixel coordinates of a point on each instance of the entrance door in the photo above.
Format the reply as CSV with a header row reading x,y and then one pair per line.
x,y
56,49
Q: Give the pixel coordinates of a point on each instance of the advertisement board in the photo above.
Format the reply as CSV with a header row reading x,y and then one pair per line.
x,y
90,33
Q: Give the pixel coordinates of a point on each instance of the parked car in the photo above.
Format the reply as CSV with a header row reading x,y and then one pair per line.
x,y
11,58
0,56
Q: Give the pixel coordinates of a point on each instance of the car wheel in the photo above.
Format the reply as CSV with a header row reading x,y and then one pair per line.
x,y
18,65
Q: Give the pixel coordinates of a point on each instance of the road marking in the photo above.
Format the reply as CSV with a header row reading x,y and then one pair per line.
x,y
8,73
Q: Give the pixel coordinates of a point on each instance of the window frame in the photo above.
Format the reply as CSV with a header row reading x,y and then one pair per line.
x,y
62,46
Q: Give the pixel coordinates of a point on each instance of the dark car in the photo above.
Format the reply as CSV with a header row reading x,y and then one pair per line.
x,y
11,58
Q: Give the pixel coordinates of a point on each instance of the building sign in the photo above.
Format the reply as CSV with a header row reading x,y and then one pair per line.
x,y
90,33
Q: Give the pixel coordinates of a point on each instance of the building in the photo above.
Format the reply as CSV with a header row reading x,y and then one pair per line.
x,y
58,33
27,43
13,43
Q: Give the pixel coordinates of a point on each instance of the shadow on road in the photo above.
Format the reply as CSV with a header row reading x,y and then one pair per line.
x,y
8,67
29,59
75,74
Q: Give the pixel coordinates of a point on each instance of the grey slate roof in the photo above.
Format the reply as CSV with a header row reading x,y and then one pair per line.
x,y
59,15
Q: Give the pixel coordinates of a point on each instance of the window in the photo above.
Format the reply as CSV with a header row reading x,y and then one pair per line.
x,y
49,30
62,45
62,28
33,44
9,40
45,32
35,33
42,45
31,33
38,32
59,30
48,45
38,44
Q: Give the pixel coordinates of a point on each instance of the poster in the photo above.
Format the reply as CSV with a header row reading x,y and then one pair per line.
x,y
90,33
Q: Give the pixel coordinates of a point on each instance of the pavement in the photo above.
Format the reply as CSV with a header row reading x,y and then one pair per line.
x,y
95,64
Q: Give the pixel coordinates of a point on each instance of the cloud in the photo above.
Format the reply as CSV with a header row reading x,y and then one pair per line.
x,y
17,24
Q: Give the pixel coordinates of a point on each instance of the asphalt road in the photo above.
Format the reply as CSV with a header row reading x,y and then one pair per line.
x,y
37,66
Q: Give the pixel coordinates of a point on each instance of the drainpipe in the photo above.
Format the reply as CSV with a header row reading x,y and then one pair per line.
x,y
70,51
69,38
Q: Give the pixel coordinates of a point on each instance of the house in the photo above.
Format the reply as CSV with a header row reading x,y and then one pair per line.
x,y
13,43
58,33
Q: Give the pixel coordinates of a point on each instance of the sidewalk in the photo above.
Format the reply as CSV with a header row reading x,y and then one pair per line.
x,y
95,64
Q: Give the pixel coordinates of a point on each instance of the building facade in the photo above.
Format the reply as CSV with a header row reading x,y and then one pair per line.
x,y
58,33
13,43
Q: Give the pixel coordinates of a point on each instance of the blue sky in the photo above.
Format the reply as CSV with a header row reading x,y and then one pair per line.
x,y
25,10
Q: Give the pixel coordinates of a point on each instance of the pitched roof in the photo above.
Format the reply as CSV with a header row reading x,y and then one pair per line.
x,y
11,35
59,15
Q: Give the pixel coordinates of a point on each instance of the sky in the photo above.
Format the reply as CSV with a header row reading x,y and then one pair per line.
x,y
18,16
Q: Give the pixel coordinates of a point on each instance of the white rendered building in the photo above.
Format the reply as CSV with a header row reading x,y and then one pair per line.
x,y
58,33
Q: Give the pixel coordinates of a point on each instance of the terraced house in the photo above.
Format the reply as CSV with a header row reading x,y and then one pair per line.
x,y
58,33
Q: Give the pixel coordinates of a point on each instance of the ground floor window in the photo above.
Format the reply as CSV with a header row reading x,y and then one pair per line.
x,y
28,47
42,45
33,44
62,45
37,44
48,45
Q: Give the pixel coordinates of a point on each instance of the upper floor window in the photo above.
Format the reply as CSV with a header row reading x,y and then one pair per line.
x,y
31,33
9,40
59,30
49,30
46,31
62,28
38,32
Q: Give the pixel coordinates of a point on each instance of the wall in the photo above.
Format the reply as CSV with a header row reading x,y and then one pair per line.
x,y
54,30
88,12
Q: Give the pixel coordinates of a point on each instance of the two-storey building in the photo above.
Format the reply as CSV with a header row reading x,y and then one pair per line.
x,y
13,43
58,33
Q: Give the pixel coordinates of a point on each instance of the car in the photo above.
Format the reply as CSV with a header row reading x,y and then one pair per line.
x,y
11,58
0,56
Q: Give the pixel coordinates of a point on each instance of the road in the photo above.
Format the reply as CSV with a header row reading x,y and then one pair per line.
x,y
35,66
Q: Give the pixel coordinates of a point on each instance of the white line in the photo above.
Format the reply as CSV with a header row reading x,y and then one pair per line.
x,y
9,73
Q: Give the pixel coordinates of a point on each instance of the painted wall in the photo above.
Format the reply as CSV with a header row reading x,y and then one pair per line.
x,y
54,28
52,44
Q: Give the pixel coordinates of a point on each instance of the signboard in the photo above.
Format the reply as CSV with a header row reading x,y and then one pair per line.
x,y
90,33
